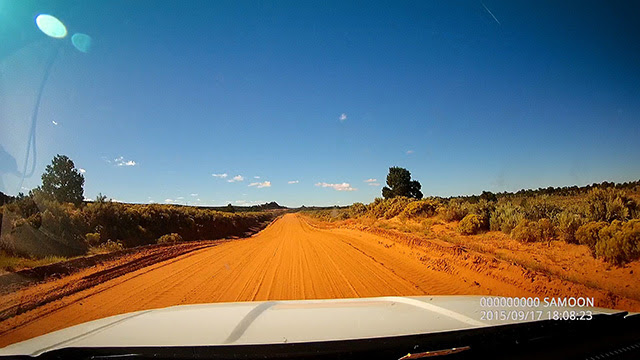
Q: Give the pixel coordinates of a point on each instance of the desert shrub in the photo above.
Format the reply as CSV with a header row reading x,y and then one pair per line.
x,y
609,204
420,208
532,231
540,207
35,220
142,224
92,239
455,210
396,206
378,207
169,238
567,223
357,209
25,205
106,247
527,231
483,209
506,217
63,223
330,215
470,224
619,242
589,234
546,230
40,226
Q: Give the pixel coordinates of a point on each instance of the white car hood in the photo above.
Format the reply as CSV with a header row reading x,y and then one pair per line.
x,y
272,322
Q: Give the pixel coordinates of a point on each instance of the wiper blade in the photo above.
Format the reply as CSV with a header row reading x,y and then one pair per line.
x,y
427,354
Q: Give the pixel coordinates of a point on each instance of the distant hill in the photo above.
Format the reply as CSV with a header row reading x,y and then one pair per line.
x,y
305,208
262,207
270,206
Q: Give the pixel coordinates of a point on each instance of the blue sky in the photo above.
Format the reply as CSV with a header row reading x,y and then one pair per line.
x,y
468,96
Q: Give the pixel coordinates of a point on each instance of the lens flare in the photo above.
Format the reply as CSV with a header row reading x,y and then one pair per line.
x,y
82,42
51,26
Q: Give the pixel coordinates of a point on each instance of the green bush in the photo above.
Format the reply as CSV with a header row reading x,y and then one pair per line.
x,y
420,208
483,209
396,206
35,220
92,239
589,234
341,215
169,238
506,217
609,205
567,223
470,225
546,230
540,207
66,229
527,231
619,242
357,209
330,214
106,247
378,207
455,210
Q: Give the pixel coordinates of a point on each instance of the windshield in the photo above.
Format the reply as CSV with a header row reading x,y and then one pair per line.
x,y
162,153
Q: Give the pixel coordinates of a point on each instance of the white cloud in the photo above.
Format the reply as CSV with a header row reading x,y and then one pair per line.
x,y
236,178
371,180
54,122
120,161
256,177
180,197
222,176
169,201
293,182
82,171
338,187
194,195
261,184
343,117
409,152
373,184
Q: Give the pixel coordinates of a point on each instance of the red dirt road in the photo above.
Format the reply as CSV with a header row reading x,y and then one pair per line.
x,y
290,259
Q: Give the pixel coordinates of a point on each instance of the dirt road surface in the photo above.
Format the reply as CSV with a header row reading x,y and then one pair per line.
x,y
291,259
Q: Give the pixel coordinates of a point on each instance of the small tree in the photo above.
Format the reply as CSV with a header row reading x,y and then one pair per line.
x,y
62,181
399,183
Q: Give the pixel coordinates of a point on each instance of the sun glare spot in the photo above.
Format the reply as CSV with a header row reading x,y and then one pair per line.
x,y
51,26
82,42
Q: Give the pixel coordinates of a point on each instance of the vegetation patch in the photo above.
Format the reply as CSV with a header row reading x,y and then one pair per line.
x,y
470,225
169,238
